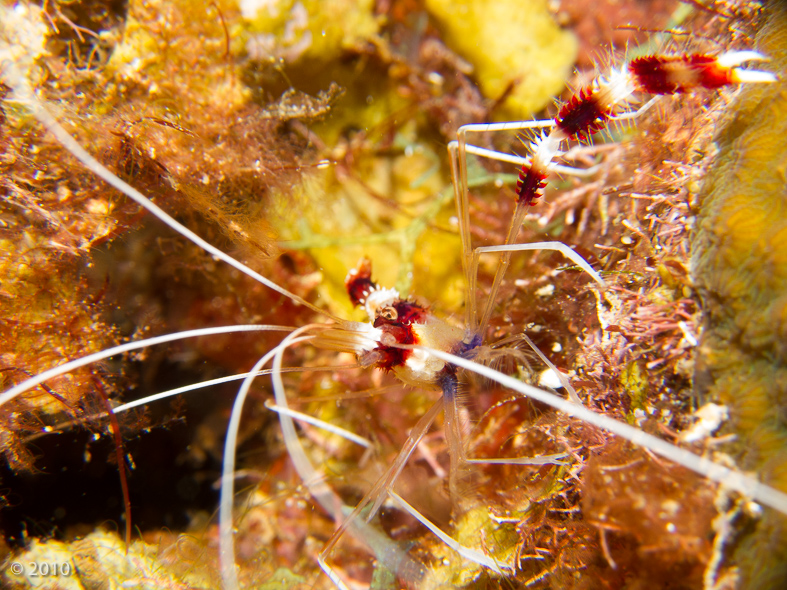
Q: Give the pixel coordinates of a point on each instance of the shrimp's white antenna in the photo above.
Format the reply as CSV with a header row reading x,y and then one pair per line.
x,y
28,384
229,574
725,476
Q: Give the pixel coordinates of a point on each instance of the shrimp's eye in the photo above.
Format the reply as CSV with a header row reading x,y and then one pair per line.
x,y
388,313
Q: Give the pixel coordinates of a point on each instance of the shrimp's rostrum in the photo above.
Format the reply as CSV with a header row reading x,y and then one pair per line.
x,y
401,447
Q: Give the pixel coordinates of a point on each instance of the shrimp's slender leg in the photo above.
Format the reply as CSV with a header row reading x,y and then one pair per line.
x,y
467,552
565,250
457,154
377,495
524,161
386,551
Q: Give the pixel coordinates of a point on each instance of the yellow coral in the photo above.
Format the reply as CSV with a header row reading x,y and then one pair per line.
x,y
740,267
309,29
509,43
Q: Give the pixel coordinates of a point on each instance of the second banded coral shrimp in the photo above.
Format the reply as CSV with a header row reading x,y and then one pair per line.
x,y
591,109
500,528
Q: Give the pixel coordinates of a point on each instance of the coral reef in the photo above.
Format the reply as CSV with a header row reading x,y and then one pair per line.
x,y
521,57
302,135
740,269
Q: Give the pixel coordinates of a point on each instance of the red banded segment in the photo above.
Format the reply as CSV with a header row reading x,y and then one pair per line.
x,y
399,328
673,74
583,115
409,312
530,185
359,282
395,319
390,357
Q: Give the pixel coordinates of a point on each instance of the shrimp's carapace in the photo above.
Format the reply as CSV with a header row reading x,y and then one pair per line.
x,y
396,322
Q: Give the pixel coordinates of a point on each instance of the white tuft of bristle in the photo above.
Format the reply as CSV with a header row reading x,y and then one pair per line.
x,y
619,86
545,148
754,76
736,58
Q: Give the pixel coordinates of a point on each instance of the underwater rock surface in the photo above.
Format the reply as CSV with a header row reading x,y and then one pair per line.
x,y
739,264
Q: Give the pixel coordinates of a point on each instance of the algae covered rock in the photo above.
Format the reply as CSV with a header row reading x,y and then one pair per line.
x,y
101,560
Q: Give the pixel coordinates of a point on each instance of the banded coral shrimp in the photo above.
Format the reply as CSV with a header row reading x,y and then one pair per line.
x,y
590,109
499,516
